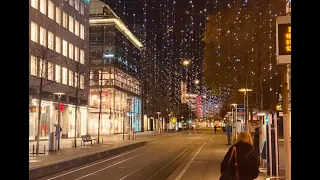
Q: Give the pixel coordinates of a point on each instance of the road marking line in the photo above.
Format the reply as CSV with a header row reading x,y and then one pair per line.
x,y
55,177
191,160
148,163
107,167
169,163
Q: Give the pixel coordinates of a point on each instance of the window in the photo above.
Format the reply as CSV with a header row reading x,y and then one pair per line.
x,y
58,44
33,66
42,68
76,53
50,40
64,20
81,56
70,78
81,31
70,51
34,4
76,27
65,48
50,71
58,15
70,23
71,2
76,79
64,75
81,8
81,82
43,7
34,32
43,36
50,10
58,73
76,5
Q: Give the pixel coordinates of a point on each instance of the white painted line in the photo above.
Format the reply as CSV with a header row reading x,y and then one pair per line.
x,y
189,163
107,167
91,165
169,163
148,163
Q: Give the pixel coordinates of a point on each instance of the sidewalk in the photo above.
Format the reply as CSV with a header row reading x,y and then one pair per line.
x,y
69,156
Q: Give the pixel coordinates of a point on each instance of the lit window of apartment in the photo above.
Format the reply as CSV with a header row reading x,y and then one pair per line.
x,y
58,15
65,20
50,40
34,4
43,36
81,31
70,78
70,51
58,44
76,5
65,48
64,75
50,10
81,8
81,82
76,79
33,66
70,23
76,27
76,53
34,32
50,71
81,56
42,68
43,6
71,2
58,73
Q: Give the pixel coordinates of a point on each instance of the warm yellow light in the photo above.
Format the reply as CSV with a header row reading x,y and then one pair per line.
x,y
234,104
245,90
197,81
59,93
121,27
185,62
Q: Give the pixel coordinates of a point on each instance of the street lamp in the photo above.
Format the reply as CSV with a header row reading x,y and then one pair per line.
x,y
186,62
59,94
245,106
234,121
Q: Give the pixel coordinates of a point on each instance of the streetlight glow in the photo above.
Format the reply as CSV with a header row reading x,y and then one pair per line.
x,y
245,90
59,93
186,62
196,81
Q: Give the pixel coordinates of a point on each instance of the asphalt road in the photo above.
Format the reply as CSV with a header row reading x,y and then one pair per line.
x,y
186,156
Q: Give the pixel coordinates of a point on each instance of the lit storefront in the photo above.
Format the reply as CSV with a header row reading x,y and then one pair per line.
x,y
49,117
120,102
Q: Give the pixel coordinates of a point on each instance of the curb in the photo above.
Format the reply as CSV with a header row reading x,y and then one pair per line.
x,y
60,166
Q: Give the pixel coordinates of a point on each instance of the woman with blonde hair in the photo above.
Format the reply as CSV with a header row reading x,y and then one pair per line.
x,y
240,162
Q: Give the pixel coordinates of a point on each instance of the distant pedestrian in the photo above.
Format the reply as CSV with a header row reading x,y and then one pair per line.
x,y
240,162
215,129
256,141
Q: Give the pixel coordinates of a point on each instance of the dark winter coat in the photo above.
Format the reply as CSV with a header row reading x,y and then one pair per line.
x,y
256,141
248,161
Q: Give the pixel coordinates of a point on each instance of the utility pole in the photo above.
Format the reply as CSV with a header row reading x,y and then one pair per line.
x,y
286,122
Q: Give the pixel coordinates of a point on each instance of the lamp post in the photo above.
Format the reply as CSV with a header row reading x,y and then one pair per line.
x,y
234,121
245,106
59,94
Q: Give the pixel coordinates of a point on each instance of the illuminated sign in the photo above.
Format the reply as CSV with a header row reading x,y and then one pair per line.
x,y
278,107
284,39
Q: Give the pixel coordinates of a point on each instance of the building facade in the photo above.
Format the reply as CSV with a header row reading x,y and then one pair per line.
x,y
114,73
58,63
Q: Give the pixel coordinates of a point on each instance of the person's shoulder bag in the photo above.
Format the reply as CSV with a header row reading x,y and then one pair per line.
x,y
232,172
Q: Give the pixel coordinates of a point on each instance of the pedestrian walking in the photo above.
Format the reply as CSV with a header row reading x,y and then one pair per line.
x,y
215,129
240,162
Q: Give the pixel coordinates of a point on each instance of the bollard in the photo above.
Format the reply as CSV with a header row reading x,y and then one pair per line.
x,y
32,149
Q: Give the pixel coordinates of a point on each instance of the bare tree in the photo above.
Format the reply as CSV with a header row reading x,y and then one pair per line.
x,y
97,82
42,59
77,74
239,48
